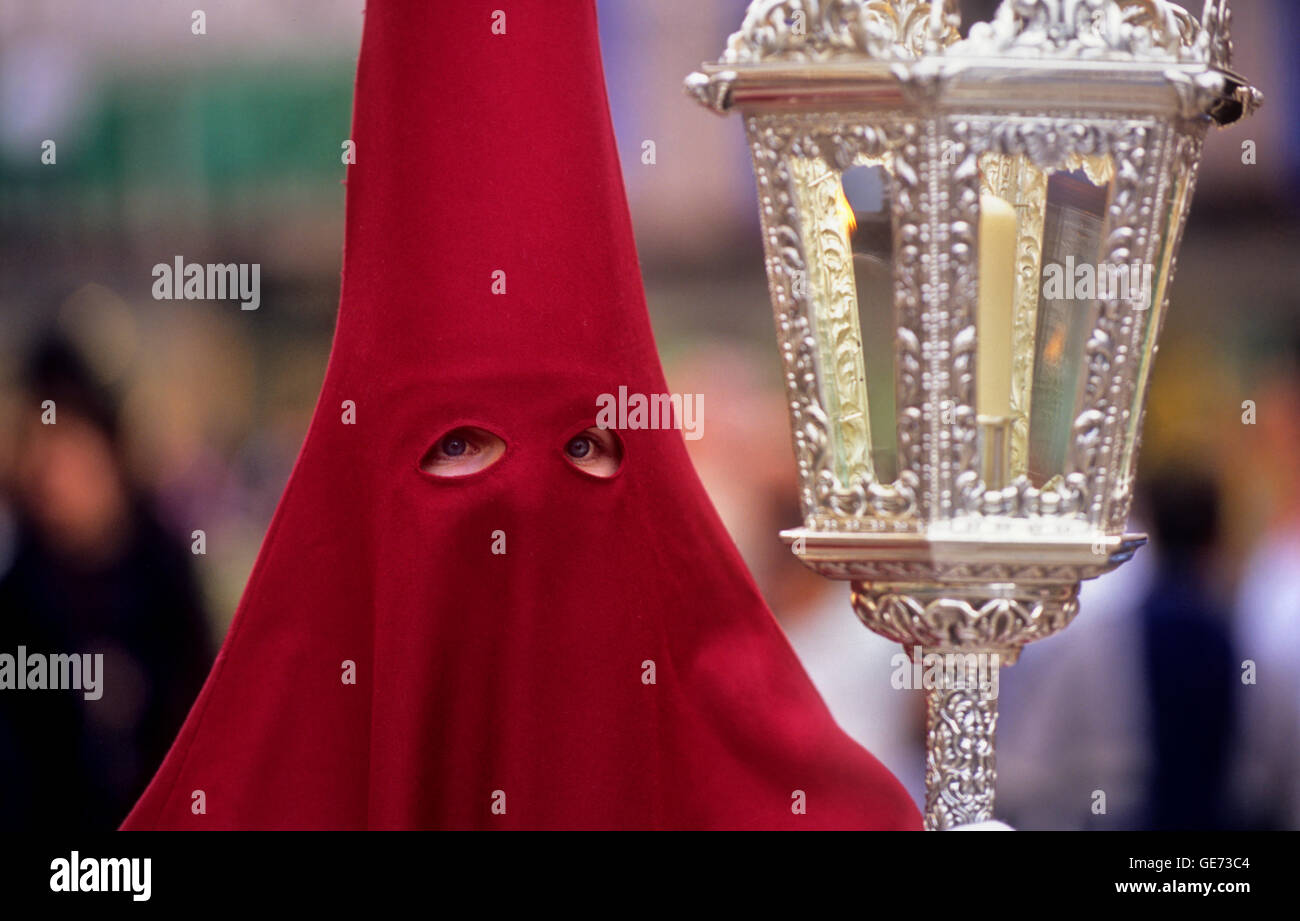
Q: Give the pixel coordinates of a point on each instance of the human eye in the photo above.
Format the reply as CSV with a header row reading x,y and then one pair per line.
x,y
596,451
462,451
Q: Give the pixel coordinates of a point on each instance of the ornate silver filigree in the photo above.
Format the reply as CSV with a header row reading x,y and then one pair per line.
x,y
939,348
1214,44
776,143
1143,165
806,31
1091,29
939,571
960,756
993,621
803,32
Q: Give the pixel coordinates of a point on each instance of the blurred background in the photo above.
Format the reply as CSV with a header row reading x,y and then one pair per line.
x,y
187,415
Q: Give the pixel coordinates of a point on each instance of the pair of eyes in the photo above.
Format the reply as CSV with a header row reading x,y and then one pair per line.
x,y
469,449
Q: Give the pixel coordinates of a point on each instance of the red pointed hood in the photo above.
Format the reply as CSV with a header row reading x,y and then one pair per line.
x,y
517,680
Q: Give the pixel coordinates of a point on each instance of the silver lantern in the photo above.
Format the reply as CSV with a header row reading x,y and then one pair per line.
x,y
969,248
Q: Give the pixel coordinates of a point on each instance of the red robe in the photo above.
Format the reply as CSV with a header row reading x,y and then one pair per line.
x,y
500,690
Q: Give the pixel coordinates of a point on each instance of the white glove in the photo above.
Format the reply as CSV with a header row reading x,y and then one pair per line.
x,y
990,825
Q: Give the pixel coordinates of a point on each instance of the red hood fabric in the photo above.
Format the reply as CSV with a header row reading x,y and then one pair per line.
x,y
487,681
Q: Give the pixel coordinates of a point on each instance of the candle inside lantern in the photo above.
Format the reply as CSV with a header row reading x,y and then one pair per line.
x,y
997,290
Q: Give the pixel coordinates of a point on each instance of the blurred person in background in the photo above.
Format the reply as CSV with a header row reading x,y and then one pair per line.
x,y
1127,720
1189,661
1267,774
91,572
1070,722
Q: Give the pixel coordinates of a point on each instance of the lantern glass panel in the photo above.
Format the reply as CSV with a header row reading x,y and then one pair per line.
x,y
1045,277
851,290
1172,217
867,192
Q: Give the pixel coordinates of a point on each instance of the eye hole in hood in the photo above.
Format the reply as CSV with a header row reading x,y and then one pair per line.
x,y
595,451
462,451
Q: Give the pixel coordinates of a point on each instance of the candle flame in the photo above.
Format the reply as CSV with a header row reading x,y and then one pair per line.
x,y
847,218
1054,350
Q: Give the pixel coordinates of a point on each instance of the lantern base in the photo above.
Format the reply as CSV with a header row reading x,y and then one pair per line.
x,y
993,550
963,606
